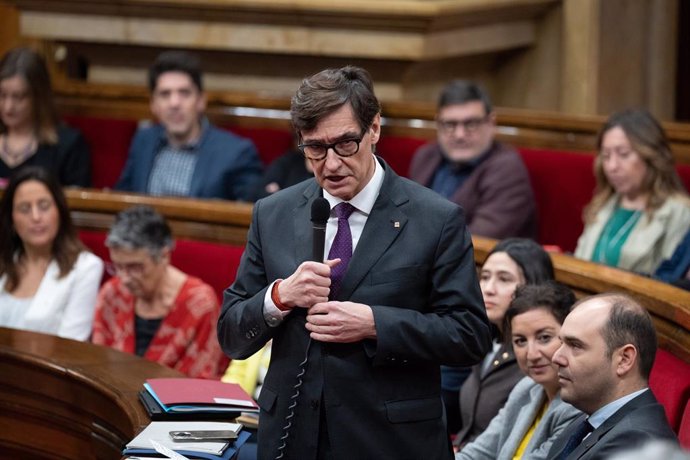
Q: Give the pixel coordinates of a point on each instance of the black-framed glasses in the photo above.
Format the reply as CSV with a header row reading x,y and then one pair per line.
x,y
469,125
343,148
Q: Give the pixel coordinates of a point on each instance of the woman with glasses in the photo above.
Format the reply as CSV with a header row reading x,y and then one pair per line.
x,y
48,280
30,131
151,308
640,210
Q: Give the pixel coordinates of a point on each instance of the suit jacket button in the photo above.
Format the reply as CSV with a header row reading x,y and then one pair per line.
x,y
314,404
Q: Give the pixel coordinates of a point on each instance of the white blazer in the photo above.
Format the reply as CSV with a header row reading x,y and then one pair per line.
x,y
65,306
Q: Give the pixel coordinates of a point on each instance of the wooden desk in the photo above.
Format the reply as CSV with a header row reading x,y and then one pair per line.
x,y
63,399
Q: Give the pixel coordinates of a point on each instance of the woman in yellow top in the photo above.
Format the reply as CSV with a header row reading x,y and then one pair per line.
x,y
534,414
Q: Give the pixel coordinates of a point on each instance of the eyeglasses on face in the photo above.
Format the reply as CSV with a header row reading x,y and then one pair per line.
x,y
470,125
343,148
135,269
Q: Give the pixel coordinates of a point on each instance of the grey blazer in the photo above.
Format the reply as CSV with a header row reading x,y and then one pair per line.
x,y
506,431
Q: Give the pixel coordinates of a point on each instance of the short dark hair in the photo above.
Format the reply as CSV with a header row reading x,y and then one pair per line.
x,y
140,227
463,91
66,246
553,296
630,323
325,92
176,61
532,259
28,64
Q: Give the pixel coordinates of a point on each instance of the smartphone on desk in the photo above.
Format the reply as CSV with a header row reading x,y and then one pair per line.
x,y
203,435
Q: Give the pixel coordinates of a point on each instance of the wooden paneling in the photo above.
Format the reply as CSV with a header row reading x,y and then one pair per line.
x,y
9,26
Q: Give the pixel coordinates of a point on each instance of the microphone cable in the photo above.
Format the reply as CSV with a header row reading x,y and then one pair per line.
x,y
320,212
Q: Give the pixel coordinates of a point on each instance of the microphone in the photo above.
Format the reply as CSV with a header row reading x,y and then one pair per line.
x,y
320,211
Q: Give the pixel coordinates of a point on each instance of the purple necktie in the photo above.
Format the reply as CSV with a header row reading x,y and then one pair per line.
x,y
341,247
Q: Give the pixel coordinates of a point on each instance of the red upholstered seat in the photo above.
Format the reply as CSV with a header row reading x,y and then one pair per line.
x,y
270,142
684,431
670,383
398,151
563,183
214,263
108,140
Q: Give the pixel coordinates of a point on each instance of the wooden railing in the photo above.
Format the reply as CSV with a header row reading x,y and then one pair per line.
x,y
207,220
228,222
63,399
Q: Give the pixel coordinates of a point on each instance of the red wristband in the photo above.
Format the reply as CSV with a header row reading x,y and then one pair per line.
x,y
275,297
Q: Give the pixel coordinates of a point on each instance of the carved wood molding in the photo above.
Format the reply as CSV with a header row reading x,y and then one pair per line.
x,y
402,15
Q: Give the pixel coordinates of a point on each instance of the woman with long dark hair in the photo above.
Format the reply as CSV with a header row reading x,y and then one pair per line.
x,y
48,280
511,263
30,131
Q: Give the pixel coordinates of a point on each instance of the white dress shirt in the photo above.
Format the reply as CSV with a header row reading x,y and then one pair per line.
x,y
363,203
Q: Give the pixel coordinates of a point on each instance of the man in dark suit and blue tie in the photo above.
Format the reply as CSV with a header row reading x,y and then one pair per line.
x,y
608,350
357,339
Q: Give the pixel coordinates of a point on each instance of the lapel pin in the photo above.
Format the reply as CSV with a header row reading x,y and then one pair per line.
x,y
396,224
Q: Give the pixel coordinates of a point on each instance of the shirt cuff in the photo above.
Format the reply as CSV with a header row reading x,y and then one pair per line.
x,y
272,314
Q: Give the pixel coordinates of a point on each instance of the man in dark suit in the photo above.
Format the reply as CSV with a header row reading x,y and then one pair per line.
x,y
184,154
608,350
375,334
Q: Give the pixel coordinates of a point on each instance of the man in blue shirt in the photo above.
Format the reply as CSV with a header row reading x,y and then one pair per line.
x,y
609,345
185,155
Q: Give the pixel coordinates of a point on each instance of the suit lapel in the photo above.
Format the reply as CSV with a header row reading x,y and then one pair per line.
x,y
385,222
609,423
503,355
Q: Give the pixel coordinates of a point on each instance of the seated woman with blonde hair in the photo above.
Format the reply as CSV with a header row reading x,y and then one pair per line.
x,y
152,308
640,210
48,280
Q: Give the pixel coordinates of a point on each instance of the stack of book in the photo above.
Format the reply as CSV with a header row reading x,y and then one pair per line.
x,y
177,407
194,399
187,440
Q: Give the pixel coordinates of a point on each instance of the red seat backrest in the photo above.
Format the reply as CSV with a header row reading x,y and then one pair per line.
x,y
108,140
563,183
684,431
214,263
269,142
670,383
684,173
398,152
